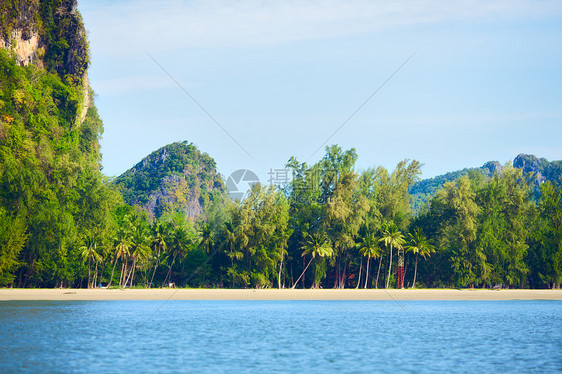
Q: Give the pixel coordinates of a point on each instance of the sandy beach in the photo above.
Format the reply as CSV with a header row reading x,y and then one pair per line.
x,y
274,294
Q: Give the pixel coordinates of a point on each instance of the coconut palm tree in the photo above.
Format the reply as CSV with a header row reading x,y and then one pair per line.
x,y
392,238
160,234
121,244
419,245
140,248
369,247
89,251
316,245
206,237
180,244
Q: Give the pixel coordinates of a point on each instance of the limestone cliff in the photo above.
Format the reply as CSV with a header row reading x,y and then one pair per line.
x,y
49,34
53,195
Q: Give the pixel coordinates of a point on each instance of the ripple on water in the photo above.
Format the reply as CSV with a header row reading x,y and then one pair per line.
x,y
281,336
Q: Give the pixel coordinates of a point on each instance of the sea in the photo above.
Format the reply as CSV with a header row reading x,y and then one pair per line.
x,y
281,336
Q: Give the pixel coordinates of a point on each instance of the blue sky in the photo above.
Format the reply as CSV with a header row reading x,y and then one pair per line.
x,y
484,82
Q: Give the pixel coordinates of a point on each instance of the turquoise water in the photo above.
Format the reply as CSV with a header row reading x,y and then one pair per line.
x,y
281,336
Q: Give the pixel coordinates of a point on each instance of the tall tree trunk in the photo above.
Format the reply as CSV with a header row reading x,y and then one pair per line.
x,y
304,271
303,275
378,273
122,277
389,267
359,278
112,271
126,276
415,271
344,276
155,267
291,271
133,273
337,280
89,272
367,273
130,274
169,275
280,269
95,281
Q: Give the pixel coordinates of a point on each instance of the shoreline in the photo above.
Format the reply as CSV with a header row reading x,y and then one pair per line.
x,y
275,294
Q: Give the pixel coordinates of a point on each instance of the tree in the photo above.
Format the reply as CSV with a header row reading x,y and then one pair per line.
x,y
459,233
316,245
369,247
419,245
13,237
392,238
139,247
181,243
89,252
505,216
545,256
206,236
160,234
344,205
121,246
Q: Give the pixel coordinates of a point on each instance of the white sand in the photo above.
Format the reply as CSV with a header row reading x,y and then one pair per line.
x,y
274,294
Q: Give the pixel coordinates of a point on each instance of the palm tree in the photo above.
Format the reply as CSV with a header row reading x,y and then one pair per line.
x,y
420,246
369,248
121,243
206,235
160,233
180,245
89,251
392,238
140,249
230,241
316,245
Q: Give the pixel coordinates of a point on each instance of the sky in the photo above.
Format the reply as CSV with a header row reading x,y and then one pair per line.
x,y
252,83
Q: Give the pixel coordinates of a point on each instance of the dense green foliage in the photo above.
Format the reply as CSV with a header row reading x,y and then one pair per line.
x,y
51,190
492,232
326,228
175,178
540,168
53,196
168,221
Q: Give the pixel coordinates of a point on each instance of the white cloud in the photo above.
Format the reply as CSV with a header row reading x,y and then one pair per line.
x,y
122,28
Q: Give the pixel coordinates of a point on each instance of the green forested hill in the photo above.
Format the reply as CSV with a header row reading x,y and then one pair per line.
x,y
542,169
52,193
175,178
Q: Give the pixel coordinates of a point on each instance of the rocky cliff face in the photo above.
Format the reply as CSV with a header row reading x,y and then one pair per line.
x,y
49,34
490,168
175,178
531,164
25,46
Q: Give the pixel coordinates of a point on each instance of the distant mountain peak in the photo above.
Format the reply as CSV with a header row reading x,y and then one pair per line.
x,y
491,167
177,177
531,164
542,169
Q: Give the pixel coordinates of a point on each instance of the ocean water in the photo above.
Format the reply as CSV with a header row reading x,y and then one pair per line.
x,y
281,336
